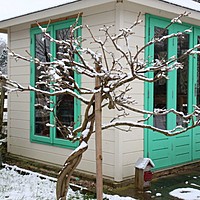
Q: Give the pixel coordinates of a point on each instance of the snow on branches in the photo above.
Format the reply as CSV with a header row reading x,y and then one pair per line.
x,y
118,68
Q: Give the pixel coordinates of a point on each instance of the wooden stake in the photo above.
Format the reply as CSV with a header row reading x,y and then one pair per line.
x,y
98,138
2,97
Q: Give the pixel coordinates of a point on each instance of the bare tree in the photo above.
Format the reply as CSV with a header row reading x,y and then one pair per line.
x,y
3,56
116,70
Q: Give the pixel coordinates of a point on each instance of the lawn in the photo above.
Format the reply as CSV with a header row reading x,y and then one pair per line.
x,y
20,184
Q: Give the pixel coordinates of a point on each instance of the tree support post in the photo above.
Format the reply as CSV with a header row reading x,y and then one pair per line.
x,y
2,97
98,136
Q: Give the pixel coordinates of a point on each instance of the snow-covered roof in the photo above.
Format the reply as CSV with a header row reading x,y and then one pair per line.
x,y
28,10
189,4
22,7
143,162
34,10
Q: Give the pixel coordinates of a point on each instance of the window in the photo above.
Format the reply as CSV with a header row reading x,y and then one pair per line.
x,y
160,87
67,108
181,92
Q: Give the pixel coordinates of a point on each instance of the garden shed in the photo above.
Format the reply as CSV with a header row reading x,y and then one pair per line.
x,y
28,137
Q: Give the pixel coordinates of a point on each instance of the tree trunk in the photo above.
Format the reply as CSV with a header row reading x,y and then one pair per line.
x,y
64,177
98,137
73,160
66,172
2,97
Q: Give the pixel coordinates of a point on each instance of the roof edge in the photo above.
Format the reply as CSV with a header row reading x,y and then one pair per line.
x,y
182,6
42,10
3,30
47,13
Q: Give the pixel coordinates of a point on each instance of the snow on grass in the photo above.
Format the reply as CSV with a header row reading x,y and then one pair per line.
x,y
20,184
186,193
14,186
116,197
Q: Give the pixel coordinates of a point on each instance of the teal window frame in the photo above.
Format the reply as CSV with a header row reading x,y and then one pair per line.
x,y
151,22
52,140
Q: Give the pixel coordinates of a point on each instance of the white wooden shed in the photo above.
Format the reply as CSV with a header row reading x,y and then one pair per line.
x,y
120,151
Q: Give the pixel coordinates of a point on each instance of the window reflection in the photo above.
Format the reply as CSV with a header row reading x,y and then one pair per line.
x,y
182,77
197,86
42,50
160,86
65,102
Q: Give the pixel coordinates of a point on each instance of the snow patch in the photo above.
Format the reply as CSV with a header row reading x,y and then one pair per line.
x,y
86,131
83,145
30,186
186,193
158,194
143,162
116,197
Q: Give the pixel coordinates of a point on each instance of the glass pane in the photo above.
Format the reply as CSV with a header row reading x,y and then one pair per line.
x,y
197,86
182,77
65,102
160,86
65,113
42,117
42,48
62,34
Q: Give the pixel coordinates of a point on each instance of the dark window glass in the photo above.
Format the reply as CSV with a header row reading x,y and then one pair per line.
x,y
62,34
42,50
65,102
160,86
182,77
197,86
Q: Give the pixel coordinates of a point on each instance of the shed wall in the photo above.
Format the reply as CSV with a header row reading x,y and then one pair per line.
x,y
120,150
132,142
19,103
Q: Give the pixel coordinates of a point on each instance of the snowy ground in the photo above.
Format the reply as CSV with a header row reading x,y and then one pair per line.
x,y
20,184
28,185
186,193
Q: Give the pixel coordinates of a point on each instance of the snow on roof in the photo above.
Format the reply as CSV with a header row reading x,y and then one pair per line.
x,y
22,7
9,9
143,162
189,4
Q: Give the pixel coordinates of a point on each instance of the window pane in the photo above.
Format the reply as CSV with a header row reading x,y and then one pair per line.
x,y
42,48
65,102
62,34
65,113
182,77
42,117
160,86
197,86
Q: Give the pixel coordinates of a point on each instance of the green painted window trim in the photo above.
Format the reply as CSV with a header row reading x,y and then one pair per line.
x,y
52,140
150,22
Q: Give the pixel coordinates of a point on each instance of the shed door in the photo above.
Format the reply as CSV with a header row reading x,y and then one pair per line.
x,y
177,93
196,131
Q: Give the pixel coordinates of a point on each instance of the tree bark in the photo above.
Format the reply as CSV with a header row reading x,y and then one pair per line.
x,y
98,137
2,97
66,172
71,164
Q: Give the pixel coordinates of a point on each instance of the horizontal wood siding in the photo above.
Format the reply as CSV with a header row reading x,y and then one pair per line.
x,y
19,103
132,146
96,18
